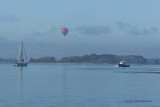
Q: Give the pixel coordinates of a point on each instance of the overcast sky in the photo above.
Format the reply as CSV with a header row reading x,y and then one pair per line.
x,y
120,27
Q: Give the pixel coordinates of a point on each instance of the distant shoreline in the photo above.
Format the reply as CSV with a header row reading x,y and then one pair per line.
x,y
91,63
91,59
68,63
88,63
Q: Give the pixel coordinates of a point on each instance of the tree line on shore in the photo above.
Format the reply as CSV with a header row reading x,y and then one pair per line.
x,y
93,58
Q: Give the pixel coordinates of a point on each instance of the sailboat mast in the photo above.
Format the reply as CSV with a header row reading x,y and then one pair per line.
x,y
20,53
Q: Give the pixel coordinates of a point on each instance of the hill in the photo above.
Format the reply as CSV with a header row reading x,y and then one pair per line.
x,y
93,58
104,58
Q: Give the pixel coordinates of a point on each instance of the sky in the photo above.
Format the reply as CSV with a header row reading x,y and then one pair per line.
x,y
119,27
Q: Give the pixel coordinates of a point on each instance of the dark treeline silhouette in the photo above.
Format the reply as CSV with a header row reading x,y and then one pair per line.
x,y
2,60
43,60
93,58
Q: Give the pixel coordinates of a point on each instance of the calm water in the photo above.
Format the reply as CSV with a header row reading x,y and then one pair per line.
x,y
56,85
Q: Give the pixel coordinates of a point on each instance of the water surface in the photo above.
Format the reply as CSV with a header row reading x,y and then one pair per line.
x,y
72,85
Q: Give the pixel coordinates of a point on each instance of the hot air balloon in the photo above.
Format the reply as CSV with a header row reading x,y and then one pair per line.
x,y
64,31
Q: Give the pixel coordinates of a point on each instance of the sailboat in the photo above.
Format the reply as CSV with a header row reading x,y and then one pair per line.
x,y
20,62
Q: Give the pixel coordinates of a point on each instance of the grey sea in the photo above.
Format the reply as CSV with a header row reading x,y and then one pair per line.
x,y
76,85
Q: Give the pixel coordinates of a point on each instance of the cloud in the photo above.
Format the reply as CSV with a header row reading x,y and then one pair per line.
x,y
93,30
134,30
53,29
37,33
7,18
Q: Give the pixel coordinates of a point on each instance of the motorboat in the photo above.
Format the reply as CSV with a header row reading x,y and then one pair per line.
x,y
123,64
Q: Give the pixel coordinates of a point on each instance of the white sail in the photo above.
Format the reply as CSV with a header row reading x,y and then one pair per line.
x,y
20,53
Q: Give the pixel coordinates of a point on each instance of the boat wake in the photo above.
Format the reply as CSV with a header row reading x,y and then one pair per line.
x,y
141,72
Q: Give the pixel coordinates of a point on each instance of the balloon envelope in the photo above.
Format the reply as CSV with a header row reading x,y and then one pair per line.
x,y
64,31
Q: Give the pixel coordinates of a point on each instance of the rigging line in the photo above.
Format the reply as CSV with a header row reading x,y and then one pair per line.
x,y
25,54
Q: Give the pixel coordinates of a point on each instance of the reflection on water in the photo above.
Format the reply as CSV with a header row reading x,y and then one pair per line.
x,y
21,79
143,72
21,76
64,79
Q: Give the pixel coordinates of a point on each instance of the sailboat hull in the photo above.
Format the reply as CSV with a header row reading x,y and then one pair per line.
x,y
123,65
20,64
